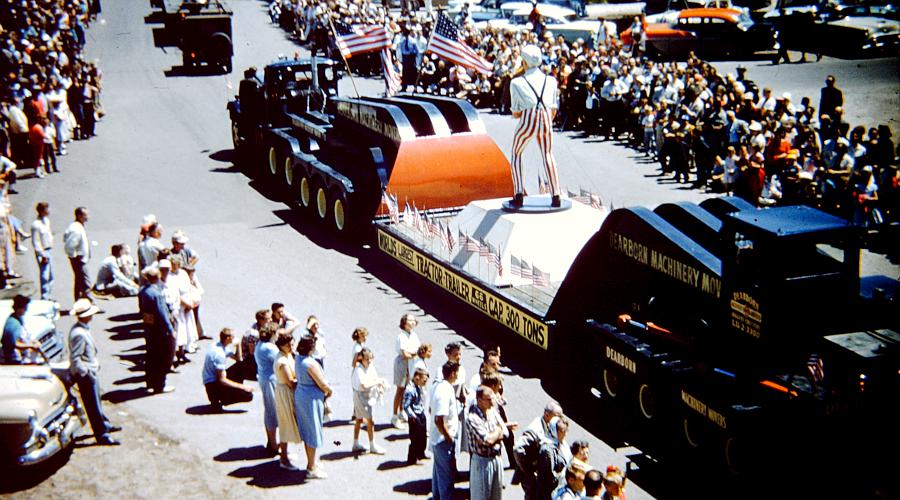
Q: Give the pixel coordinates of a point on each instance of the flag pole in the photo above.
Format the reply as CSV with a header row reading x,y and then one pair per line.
x,y
346,64
440,11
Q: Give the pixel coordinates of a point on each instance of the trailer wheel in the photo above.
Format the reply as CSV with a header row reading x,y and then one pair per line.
x,y
340,213
321,201
646,401
611,383
691,436
273,161
305,190
290,176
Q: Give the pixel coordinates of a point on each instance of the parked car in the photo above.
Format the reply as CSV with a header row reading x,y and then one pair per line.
x,y
708,33
838,30
39,411
488,10
518,18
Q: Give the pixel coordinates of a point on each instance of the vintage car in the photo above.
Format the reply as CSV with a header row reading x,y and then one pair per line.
x,y
39,412
490,10
559,21
865,30
708,33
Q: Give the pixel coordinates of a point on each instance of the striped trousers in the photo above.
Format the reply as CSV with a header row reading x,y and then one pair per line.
x,y
538,122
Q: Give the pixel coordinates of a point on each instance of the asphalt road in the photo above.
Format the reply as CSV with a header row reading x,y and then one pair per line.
x,y
165,148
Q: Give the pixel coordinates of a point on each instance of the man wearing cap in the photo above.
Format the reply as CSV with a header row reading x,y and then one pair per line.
x,y
159,329
84,367
180,248
533,102
78,249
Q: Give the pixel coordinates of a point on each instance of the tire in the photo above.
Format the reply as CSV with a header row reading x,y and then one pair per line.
x,y
690,433
340,212
305,190
288,176
647,401
272,166
611,383
320,201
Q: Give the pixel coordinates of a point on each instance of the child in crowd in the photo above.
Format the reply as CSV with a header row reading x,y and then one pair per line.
x,y
359,342
367,387
414,406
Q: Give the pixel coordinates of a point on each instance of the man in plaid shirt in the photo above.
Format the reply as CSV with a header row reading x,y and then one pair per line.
x,y
485,431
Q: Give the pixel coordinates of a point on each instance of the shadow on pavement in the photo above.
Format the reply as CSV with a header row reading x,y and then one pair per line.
x,y
225,156
339,455
137,379
393,464
337,423
210,410
257,452
269,475
122,395
396,437
130,331
417,487
125,317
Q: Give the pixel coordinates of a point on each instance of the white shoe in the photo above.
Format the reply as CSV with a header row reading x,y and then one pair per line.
x,y
316,473
376,450
358,447
396,422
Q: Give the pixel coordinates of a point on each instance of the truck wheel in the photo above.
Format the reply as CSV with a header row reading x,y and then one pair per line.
x,y
340,213
290,177
305,190
611,383
272,161
321,200
646,401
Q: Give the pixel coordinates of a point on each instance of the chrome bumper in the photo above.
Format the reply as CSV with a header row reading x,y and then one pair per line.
x,y
53,444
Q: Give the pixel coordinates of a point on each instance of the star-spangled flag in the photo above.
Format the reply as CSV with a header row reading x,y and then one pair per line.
x,y
417,218
515,266
446,43
434,228
407,215
595,201
543,186
483,249
527,273
472,244
540,278
450,240
443,230
584,197
493,256
390,71
498,259
393,208
359,39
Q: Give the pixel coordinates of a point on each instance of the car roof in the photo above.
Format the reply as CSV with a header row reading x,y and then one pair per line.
x,y
726,14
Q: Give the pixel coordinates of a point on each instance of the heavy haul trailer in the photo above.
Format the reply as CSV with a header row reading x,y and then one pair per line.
x,y
703,321
335,156
201,30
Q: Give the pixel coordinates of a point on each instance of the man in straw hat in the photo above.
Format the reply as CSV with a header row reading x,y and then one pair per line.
x,y
533,102
84,367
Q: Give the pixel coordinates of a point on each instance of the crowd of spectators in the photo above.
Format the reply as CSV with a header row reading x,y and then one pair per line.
x,y
719,132
49,96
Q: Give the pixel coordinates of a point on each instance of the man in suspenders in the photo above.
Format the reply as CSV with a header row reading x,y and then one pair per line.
x,y
533,97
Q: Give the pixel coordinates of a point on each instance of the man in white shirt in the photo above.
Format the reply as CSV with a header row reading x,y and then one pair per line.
x,y
151,246
407,347
443,430
533,101
42,239
78,249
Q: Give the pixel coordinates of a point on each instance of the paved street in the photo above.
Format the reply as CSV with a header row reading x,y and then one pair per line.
x,y
165,148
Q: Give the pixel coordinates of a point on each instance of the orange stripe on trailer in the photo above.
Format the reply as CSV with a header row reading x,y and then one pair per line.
x,y
777,387
444,172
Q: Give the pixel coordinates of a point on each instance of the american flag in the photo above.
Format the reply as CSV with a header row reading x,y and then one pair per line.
x,y
595,201
540,277
436,231
515,266
493,256
446,43
527,273
407,215
451,242
472,244
543,186
579,198
816,368
393,208
417,218
443,236
391,74
352,40
498,261
484,249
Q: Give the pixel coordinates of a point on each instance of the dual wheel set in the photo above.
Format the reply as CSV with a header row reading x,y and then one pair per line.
x,y
294,181
724,447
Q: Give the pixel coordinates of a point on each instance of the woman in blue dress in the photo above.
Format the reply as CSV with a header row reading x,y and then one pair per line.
x,y
309,403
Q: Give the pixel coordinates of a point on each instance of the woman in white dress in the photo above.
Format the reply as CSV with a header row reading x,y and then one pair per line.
x,y
284,400
185,325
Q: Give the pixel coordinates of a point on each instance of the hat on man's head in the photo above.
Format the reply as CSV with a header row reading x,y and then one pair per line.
x,y
755,126
786,96
179,237
532,56
165,264
83,308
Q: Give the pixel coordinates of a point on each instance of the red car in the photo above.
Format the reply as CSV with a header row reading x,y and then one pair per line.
x,y
707,32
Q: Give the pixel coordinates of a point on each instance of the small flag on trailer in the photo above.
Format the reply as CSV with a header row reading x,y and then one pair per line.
x,y
394,208
577,197
443,234
472,244
816,368
417,218
483,249
407,215
499,260
543,186
527,273
451,242
595,201
391,73
540,277
515,266
493,256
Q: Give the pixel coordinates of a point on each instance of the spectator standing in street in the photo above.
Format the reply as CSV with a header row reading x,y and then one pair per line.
x,y
552,458
78,249
150,246
614,482
528,446
266,354
406,347
444,429
313,329
365,383
159,330
222,383
284,400
830,98
42,240
309,404
593,484
423,354
414,407
249,341
85,367
574,487
486,431
359,336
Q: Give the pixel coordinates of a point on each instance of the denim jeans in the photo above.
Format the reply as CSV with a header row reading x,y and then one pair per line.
x,y
442,471
46,276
